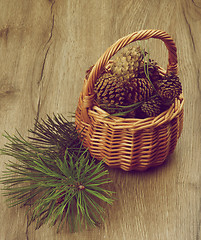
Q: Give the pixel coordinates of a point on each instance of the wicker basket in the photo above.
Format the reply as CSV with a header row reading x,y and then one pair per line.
x,y
129,143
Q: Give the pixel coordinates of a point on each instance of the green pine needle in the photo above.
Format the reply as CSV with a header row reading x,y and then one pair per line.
x,y
58,188
128,108
57,134
146,68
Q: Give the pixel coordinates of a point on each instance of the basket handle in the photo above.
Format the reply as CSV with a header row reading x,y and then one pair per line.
x,y
88,91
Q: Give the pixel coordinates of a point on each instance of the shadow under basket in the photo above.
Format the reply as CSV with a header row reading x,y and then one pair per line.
x,y
129,143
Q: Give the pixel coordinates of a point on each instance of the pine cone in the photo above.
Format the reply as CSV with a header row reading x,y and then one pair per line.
x,y
127,61
153,70
150,108
109,90
168,88
124,82
139,89
112,92
131,61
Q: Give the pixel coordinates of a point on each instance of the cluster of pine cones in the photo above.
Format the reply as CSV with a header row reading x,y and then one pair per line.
x,y
129,79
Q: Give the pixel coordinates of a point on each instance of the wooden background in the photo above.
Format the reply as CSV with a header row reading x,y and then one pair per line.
x,y
45,49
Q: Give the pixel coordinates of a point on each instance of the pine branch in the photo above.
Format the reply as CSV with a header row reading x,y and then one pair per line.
x,y
57,134
57,187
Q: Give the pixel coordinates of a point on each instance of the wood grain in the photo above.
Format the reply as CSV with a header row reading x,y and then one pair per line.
x,y
45,49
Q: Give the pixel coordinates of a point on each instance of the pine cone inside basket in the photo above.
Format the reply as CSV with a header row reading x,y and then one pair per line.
x,y
150,108
168,88
112,92
124,81
131,62
130,79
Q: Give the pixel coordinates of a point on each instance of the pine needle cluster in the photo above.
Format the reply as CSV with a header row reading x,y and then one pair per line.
x,y
63,187
56,134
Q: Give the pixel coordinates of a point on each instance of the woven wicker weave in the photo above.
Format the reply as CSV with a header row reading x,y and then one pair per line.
x,y
129,143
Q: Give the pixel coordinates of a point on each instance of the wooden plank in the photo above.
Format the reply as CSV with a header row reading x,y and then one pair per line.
x,y
46,47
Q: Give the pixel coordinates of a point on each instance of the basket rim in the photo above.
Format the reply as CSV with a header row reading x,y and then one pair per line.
x,y
99,115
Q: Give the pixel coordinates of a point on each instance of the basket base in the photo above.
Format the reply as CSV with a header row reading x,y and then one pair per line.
x,y
128,143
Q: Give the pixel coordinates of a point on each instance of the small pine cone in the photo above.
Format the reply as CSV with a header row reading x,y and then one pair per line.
x,y
151,108
168,88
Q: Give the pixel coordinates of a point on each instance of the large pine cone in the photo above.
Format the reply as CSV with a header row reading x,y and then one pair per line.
x,y
131,61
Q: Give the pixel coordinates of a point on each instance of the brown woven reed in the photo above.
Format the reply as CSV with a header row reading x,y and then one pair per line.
x,y
129,143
